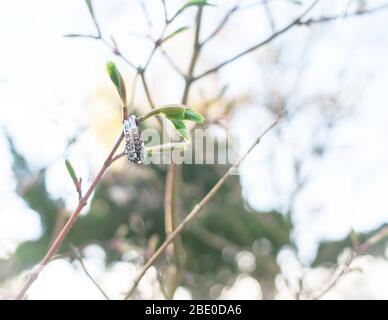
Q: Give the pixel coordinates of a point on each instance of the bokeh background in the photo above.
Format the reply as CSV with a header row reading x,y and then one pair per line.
x,y
277,230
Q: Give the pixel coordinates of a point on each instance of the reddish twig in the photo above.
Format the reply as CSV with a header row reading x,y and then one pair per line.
x,y
69,224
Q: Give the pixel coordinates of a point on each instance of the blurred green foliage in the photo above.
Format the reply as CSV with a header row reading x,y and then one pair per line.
x,y
126,213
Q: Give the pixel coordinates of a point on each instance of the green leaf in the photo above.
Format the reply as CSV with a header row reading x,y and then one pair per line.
x,y
192,3
194,116
171,111
118,81
199,3
175,112
181,129
177,31
355,239
71,171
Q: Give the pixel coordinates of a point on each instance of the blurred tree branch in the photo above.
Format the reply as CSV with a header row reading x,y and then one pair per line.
x,y
69,224
78,256
173,228
260,44
196,210
346,267
297,22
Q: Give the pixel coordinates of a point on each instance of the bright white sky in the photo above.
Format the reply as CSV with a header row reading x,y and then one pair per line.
x,y
46,81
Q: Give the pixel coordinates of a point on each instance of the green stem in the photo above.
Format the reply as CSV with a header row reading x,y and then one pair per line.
x,y
174,174
163,109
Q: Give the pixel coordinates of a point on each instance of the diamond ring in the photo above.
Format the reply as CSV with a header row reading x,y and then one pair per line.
x,y
134,146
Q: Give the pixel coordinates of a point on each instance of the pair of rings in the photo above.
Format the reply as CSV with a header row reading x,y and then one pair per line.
x,y
134,146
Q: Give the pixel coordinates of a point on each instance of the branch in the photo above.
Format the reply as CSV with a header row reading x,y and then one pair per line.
x,y
196,210
270,16
78,256
100,37
323,19
171,61
194,58
146,13
143,70
69,224
260,44
173,174
165,11
147,90
344,269
297,22
222,23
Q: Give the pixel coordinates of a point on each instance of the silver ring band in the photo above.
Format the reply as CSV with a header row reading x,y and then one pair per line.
x,y
134,146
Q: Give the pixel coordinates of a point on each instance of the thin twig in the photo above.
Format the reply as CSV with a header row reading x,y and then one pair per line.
x,y
147,90
59,223
194,58
345,268
165,11
156,45
346,15
143,70
173,178
78,256
171,61
222,23
146,13
270,16
195,211
100,37
260,44
297,22
131,104
69,224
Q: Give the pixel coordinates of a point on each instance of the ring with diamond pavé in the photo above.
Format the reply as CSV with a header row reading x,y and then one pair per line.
x,y
134,146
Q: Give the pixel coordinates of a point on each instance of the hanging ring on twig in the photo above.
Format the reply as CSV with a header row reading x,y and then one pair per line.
x,y
134,146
